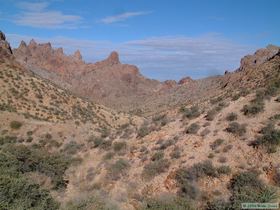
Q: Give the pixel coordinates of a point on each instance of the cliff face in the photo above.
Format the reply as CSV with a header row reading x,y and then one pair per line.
x,y
109,81
5,49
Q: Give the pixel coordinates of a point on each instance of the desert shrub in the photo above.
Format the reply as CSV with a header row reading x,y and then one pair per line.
x,y
272,88
29,133
118,169
193,128
211,155
247,187
205,132
277,99
165,144
157,156
160,119
224,169
72,148
176,153
236,128
211,114
143,131
8,140
92,202
218,204
108,156
216,143
222,159
95,141
18,193
191,113
106,145
270,138
202,169
34,160
227,148
276,177
172,203
154,168
119,146
253,108
231,116
15,125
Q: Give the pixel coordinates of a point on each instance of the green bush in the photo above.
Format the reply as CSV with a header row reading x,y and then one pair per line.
x,y
193,128
236,128
35,160
155,167
191,113
16,191
231,116
15,125
247,187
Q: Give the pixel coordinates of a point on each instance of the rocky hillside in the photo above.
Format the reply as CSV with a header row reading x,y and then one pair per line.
x,y
210,144
122,87
108,82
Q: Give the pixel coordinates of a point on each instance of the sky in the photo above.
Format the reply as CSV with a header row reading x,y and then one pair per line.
x,y
166,39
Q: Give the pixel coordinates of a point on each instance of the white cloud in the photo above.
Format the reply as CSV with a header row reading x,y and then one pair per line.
x,y
160,57
123,17
37,15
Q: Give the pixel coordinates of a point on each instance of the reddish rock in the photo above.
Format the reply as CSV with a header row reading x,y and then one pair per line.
x,y
260,56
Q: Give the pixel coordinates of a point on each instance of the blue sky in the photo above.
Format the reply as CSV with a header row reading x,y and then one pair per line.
x,y
166,39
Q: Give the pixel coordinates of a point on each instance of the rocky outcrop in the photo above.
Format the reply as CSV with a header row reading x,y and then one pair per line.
x,y
5,48
109,81
259,57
